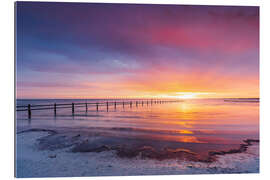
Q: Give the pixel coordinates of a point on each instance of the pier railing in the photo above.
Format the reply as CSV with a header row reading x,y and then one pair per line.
x,y
29,108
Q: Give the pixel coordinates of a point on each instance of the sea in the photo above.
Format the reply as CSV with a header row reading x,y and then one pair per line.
x,y
199,125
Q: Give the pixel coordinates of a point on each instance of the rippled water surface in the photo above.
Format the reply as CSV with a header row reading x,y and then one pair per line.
x,y
197,124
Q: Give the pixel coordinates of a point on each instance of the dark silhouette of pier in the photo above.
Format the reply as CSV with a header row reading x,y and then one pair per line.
x,y
129,103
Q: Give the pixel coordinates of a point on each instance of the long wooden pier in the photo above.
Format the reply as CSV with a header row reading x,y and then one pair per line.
x,y
29,108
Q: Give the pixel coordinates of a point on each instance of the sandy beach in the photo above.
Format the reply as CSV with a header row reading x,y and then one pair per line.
x,y
61,162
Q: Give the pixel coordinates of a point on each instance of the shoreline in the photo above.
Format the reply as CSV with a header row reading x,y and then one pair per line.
x,y
34,161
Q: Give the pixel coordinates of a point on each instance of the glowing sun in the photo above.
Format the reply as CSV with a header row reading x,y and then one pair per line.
x,y
187,96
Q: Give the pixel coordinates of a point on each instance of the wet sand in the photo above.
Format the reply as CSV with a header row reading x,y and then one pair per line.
x,y
42,152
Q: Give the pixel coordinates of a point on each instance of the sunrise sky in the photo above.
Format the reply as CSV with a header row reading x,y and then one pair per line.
x,y
82,50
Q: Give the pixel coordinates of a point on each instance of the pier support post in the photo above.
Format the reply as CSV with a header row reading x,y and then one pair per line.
x,y
115,105
29,111
73,109
97,106
142,103
107,106
136,103
130,104
54,109
86,107
123,104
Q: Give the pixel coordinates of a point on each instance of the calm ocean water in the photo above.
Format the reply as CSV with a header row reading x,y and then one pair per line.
x,y
194,121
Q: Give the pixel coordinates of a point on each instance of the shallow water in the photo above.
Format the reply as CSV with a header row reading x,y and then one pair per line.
x,y
198,125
